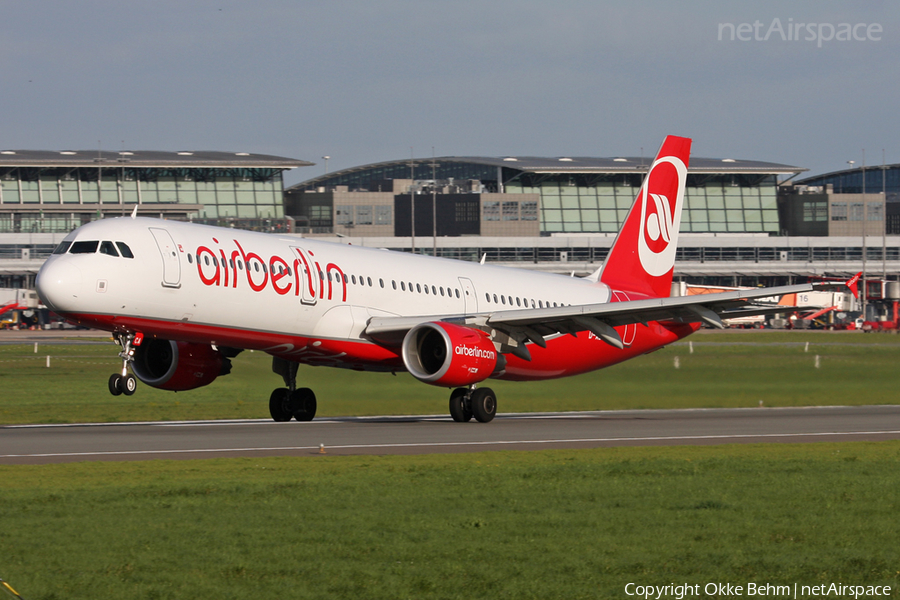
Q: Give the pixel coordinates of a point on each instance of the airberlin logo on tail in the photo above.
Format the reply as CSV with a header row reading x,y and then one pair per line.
x,y
662,197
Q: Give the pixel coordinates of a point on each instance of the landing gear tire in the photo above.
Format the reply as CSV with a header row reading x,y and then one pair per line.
x,y
459,409
114,384
127,384
280,405
303,404
484,404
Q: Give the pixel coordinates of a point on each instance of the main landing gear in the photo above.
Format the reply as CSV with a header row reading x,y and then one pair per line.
x,y
124,382
299,404
291,402
466,403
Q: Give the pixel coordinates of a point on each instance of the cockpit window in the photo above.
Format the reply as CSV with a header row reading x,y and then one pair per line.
x,y
108,248
63,246
87,247
124,249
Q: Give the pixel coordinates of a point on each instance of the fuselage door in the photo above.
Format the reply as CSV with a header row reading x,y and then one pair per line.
x,y
307,276
169,253
468,290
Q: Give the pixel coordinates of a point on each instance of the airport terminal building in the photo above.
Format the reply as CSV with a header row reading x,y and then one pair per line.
x,y
562,195
46,194
844,199
743,223
50,192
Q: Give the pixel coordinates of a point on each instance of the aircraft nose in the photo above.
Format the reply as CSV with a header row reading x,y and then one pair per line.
x,y
59,284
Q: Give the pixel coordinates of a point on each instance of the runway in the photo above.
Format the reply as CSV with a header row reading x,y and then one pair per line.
x,y
37,444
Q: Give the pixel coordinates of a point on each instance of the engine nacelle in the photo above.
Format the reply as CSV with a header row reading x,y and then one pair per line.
x,y
449,355
178,366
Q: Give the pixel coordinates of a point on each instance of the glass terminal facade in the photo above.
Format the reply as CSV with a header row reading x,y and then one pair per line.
x,y
850,181
57,191
589,195
715,204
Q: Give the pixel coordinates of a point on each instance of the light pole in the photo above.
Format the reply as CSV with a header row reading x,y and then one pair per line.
x,y
325,158
862,296
434,166
412,200
883,220
865,223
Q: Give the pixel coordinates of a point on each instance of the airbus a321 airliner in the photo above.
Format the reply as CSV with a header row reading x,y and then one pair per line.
x,y
182,300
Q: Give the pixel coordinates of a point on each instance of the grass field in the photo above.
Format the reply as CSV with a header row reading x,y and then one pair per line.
x,y
724,370
543,524
549,524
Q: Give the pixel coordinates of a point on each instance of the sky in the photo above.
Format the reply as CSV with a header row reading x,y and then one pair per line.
x,y
370,81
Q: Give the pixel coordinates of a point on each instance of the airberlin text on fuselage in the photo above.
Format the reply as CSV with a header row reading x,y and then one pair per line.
x,y
225,268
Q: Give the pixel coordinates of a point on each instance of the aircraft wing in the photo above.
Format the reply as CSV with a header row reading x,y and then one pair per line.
x,y
537,323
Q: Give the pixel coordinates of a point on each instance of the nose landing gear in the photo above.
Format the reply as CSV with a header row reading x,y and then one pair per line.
x,y
125,382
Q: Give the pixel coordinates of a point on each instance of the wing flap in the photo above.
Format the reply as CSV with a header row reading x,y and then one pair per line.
x,y
536,324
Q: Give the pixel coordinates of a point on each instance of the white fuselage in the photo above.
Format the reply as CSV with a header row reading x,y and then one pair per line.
x,y
184,275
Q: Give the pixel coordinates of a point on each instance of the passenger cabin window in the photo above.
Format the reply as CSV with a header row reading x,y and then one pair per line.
x,y
84,247
62,248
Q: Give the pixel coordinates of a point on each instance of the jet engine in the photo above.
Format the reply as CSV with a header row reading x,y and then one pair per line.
x,y
178,366
450,355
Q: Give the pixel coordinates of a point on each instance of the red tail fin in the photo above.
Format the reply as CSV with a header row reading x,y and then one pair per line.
x,y
853,282
642,258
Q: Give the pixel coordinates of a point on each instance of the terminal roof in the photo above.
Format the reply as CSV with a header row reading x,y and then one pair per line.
x,y
574,165
622,164
146,159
